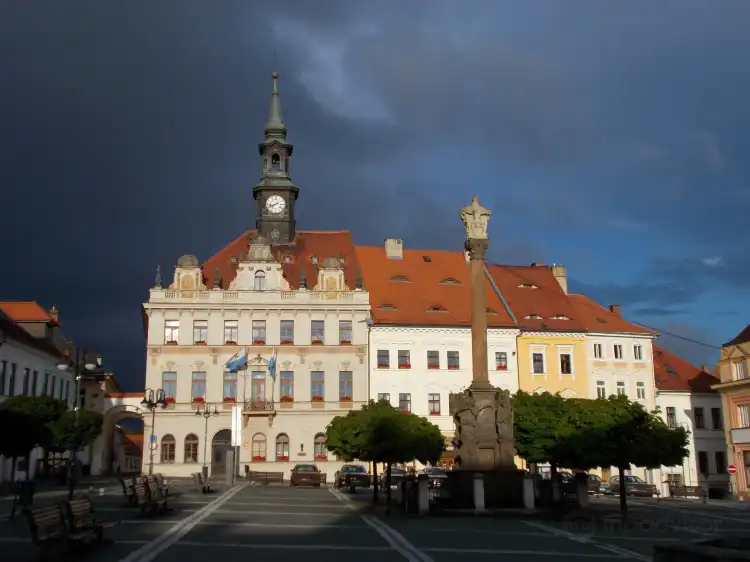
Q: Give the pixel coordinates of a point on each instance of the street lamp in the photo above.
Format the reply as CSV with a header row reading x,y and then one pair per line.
x,y
153,400
206,413
77,363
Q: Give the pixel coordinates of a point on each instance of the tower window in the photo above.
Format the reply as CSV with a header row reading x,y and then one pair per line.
x,y
275,162
260,281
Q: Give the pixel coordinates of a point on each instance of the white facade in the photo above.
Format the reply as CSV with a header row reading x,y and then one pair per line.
x,y
320,335
26,369
700,414
621,364
424,386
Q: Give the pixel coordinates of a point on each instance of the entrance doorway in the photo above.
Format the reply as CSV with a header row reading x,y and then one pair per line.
x,y
222,441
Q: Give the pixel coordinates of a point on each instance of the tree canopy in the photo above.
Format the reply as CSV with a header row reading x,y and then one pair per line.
x,y
21,434
380,433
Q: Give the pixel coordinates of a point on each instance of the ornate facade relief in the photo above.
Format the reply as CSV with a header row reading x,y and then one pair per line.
x,y
331,277
188,276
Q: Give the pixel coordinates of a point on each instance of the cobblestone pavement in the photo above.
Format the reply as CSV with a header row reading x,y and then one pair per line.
x,y
268,522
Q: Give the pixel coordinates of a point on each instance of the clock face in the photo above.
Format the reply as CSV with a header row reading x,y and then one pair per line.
x,y
275,204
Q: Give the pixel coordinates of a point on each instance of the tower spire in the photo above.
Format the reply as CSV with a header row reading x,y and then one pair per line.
x,y
275,128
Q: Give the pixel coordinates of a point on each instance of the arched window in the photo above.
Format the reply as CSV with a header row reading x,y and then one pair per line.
x,y
282,447
275,162
167,449
191,448
321,453
260,281
259,447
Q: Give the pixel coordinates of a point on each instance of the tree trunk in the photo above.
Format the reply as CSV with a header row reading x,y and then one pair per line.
x,y
375,483
623,491
388,492
557,496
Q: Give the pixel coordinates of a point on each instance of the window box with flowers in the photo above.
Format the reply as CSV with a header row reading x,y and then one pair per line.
x,y
321,457
406,411
282,458
404,366
198,399
230,342
434,412
287,342
501,368
170,402
259,458
171,342
231,399
453,367
345,401
199,342
286,401
317,342
318,401
259,342
345,342
433,366
383,366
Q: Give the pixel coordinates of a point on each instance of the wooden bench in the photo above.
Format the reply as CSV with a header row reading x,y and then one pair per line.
x,y
48,528
162,483
201,485
157,481
688,492
149,502
265,478
128,490
80,516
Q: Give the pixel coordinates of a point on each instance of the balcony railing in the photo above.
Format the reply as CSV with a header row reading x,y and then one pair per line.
x,y
250,297
259,406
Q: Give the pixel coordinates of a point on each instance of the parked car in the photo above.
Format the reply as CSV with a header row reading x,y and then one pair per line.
x,y
352,476
597,485
436,477
397,476
634,486
305,475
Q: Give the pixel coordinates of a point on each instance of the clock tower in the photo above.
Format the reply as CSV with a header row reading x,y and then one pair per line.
x,y
275,195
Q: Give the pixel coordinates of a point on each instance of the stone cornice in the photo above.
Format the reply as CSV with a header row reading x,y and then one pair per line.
x,y
446,330
552,334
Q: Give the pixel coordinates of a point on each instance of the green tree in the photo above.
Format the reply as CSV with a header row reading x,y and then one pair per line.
x,y
22,433
69,434
538,421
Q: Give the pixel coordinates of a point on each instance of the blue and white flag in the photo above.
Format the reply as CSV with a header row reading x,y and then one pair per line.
x,y
272,364
237,361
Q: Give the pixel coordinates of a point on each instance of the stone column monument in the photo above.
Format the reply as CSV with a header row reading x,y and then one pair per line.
x,y
483,416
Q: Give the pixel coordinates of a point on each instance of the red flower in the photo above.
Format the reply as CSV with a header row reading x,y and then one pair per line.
x,y
198,399
317,342
286,399
169,400
406,411
345,342
230,399
287,342
383,365
282,458
501,368
259,342
434,412
259,458
345,398
404,366
321,457
318,399
453,367
433,366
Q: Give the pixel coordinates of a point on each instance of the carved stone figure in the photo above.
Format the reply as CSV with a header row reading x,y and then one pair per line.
x,y
475,219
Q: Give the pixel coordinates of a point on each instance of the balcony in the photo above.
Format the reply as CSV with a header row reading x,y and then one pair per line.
x,y
740,435
266,407
259,407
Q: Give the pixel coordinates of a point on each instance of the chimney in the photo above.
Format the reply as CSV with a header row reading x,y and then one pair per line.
x,y
614,309
537,264
705,368
394,248
562,277
54,314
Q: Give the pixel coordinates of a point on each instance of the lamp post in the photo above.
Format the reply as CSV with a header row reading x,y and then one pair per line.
x,y
206,413
77,364
153,400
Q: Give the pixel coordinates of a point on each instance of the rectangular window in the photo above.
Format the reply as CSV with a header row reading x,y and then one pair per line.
x,y
720,458
453,360
698,419
318,331
740,370
384,359
404,402
433,359
538,363
716,421
167,450
286,379
346,381
318,386
674,479
621,388
231,331
26,377
384,396
286,332
259,332
171,331
433,402
501,361
200,331
3,375
169,384
404,359
744,415
34,381
45,388
198,386
191,449
640,390
703,462
345,332
566,365
597,351
12,380
618,351
601,389
638,352
230,386
671,416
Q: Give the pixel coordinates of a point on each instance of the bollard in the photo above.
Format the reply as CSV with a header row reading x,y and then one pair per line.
x,y
478,493
423,494
529,493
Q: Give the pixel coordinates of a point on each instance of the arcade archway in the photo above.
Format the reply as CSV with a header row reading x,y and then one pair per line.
x,y
220,444
122,440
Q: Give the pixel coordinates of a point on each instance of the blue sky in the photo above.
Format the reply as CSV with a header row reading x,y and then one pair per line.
x,y
607,136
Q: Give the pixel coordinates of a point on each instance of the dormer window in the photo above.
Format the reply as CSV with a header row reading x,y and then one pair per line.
x,y
260,281
387,307
527,286
559,317
275,161
314,260
399,279
436,308
287,259
490,311
533,317
450,281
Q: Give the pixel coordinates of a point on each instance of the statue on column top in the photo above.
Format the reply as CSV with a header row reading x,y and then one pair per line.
x,y
475,219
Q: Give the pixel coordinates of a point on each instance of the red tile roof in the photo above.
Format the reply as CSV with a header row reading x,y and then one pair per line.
x,y
742,337
596,318
675,374
423,292
13,331
25,311
306,246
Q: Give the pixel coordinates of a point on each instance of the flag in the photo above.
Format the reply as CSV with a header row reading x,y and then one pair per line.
x,y
272,364
237,361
